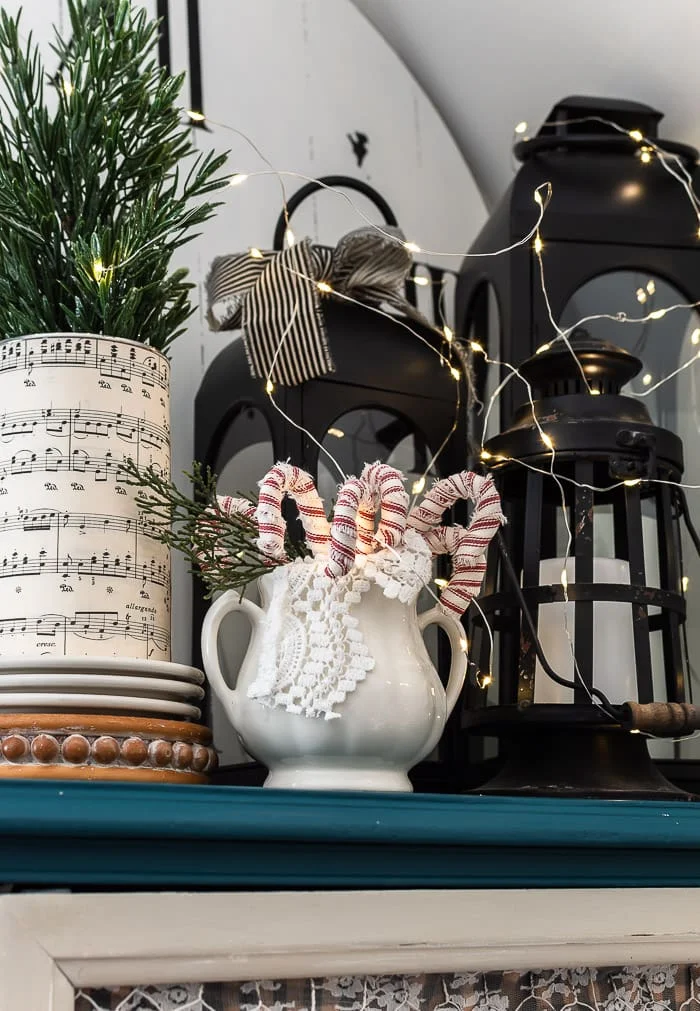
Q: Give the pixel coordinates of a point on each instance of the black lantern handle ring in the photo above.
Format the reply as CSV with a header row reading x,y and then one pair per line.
x,y
324,182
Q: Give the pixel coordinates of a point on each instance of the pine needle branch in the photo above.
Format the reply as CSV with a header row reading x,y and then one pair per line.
x,y
96,166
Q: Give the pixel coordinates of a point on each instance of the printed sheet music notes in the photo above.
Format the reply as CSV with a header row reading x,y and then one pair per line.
x,y
81,572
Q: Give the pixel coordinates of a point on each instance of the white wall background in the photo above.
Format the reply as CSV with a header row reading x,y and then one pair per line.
x,y
488,64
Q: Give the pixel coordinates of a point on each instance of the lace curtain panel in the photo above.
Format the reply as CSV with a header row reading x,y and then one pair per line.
x,y
629,988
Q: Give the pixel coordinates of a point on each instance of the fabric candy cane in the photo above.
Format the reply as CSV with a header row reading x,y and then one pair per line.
x,y
379,489
352,529
466,545
385,484
284,479
467,573
210,523
228,504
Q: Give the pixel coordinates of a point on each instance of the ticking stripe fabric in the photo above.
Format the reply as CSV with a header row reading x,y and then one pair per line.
x,y
274,298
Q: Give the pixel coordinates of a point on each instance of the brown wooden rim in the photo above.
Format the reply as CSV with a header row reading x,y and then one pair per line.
x,y
115,774
122,726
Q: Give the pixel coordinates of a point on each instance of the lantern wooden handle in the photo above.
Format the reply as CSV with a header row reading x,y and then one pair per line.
x,y
661,719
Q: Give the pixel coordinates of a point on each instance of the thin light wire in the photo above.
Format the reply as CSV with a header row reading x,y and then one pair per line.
x,y
561,334
269,389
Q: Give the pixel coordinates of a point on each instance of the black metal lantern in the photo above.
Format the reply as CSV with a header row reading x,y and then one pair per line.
x,y
616,219
584,587
390,397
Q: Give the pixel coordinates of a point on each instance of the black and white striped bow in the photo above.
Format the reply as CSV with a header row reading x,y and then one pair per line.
x,y
275,299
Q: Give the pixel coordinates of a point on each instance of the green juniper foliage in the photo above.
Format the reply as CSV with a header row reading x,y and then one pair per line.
x,y
221,547
100,181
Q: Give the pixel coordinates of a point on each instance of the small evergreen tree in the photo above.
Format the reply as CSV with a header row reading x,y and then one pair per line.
x,y
94,196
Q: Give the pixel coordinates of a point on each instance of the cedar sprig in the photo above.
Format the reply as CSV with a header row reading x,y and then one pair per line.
x,y
222,548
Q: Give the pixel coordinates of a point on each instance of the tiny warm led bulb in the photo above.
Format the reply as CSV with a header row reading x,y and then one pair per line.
x,y
289,237
538,245
641,295
475,346
269,386
538,197
449,333
421,281
547,441
636,135
658,313
418,486
455,373
255,253
698,232
564,580
67,85
338,433
647,378
412,247
695,337
97,269
520,127
486,681
196,117
685,583
633,482
324,286
594,393
645,157
485,455
442,583
542,348
238,179
651,287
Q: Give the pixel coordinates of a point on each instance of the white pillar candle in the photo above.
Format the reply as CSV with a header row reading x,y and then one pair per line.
x,y
614,668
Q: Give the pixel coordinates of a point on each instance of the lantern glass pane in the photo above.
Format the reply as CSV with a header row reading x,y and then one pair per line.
x,y
664,345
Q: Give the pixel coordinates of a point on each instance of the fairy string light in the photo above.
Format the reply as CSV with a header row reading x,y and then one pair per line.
x,y
561,334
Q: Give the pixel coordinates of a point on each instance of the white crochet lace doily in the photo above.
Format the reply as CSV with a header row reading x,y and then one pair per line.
x,y
314,653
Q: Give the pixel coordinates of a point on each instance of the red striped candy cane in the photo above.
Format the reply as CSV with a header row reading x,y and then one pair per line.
x,y
380,488
210,523
284,479
467,545
385,485
467,573
352,529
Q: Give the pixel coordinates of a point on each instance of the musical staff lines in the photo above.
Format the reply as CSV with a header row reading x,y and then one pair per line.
x,y
43,553
54,630
80,423
109,359
53,461
45,520
99,564
73,544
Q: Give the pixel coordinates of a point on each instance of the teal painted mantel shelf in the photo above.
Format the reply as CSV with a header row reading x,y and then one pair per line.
x,y
89,834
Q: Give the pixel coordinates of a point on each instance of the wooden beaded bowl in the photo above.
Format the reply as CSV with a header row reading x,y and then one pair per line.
x,y
128,748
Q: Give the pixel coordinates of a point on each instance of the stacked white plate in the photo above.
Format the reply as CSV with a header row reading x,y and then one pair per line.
x,y
105,685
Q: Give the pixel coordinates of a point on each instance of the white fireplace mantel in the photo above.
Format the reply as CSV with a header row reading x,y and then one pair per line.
x,y
53,944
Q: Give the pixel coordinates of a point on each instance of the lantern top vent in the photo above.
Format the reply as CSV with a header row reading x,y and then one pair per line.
x,y
581,122
555,371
